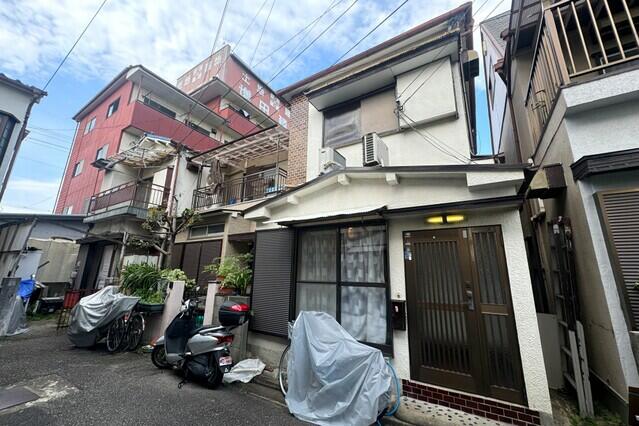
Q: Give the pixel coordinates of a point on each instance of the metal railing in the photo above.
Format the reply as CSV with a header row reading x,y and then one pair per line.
x,y
250,187
578,39
130,194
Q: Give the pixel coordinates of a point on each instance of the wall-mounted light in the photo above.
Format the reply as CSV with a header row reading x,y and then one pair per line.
x,y
444,219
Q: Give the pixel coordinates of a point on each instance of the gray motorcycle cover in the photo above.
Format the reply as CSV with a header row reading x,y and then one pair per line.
x,y
96,311
332,378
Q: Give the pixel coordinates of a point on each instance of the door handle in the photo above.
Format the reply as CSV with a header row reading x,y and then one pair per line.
x,y
470,300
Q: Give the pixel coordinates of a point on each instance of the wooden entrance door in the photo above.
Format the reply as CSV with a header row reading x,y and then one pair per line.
x,y
461,327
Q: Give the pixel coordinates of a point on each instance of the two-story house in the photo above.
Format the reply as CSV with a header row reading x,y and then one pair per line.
x,y
391,224
567,103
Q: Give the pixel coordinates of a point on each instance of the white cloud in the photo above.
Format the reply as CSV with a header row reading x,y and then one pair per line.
x,y
29,195
170,37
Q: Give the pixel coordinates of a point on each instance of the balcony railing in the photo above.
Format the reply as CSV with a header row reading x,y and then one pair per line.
x,y
131,194
250,187
577,40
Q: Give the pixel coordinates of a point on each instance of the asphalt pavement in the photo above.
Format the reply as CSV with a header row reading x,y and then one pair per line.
x,y
93,387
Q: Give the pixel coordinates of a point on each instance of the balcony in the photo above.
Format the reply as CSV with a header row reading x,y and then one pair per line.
x,y
249,188
151,120
131,198
578,41
237,121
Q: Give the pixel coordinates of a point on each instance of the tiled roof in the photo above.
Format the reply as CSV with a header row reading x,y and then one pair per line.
x,y
21,86
495,26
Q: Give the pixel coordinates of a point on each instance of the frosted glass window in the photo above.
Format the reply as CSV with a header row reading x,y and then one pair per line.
x,y
317,297
362,250
364,313
317,256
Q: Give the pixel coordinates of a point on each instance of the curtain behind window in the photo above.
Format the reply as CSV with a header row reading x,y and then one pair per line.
x,y
342,125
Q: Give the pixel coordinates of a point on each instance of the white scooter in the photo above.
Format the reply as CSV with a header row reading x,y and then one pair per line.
x,y
200,352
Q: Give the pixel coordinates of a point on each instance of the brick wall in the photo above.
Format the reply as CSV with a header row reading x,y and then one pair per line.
x,y
297,145
500,411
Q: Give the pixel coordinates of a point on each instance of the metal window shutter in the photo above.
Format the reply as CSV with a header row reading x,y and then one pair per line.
x,y
620,211
176,256
209,252
272,281
191,260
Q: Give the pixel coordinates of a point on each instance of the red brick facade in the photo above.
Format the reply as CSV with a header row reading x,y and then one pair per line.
x,y
495,410
298,135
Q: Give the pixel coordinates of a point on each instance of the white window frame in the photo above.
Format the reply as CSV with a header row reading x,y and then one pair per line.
x,y
104,149
90,126
245,78
77,168
67,210
245,92
264,107
287,112
274,101
283,122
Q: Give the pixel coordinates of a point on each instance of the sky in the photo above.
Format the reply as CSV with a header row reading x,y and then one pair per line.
x,y
169,38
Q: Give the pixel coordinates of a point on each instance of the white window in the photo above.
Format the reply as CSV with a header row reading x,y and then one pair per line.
x,y
283,122
215,229
244,91
260,89
67,210
113,107
264,107
245,78
102,152
90,126
77,169
275,102
287,112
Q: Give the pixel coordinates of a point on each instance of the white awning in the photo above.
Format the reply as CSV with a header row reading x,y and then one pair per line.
x,y
148,151
238,151
335,214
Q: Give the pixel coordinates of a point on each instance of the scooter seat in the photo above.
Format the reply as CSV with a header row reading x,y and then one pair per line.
x,y
210,327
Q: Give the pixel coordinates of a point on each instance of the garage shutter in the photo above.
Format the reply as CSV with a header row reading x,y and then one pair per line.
x,y
271,294
176,256
620,214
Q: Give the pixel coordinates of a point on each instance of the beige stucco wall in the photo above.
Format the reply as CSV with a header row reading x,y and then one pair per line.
x,y
442,117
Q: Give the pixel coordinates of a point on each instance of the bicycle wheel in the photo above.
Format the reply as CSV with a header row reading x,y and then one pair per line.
x,y
135,330
115,335
283,370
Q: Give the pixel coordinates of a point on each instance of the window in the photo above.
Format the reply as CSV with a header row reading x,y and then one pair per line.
x,y
197,128
161,108
264,107
245,78
342,271
283,122
113,107
67,210
342,125
215,229
287,112
244,91
90,126
275,102
77,169
102,152
7,124
260,89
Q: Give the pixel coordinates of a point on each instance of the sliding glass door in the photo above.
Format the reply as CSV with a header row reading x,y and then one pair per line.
x,y
342,271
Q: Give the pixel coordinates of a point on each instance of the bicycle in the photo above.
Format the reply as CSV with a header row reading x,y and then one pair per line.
x,y
283,379
125,333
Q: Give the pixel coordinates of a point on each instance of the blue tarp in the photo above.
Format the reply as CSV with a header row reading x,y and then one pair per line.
x,y
26,288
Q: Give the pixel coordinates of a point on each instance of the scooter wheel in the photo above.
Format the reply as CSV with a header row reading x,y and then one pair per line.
x,y
215,376
158,357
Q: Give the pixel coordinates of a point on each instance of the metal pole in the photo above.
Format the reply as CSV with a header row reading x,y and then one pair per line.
x,y
219,27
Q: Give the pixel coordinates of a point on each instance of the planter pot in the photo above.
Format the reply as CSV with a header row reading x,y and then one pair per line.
x,y
220,278
150,307
225,291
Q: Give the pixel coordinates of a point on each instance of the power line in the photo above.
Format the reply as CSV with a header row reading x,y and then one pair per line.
x,y
259,40
74,44
371,31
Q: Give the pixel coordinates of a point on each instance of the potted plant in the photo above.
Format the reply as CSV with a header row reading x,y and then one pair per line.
x,y
149,283
233,272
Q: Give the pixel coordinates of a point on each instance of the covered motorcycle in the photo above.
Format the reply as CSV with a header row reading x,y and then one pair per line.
x,y
332,378
93,314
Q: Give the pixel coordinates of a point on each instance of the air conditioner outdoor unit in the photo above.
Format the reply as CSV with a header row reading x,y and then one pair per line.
x,y
331,160
375,150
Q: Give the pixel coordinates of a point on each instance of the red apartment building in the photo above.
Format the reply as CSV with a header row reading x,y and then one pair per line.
x,y
217,101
